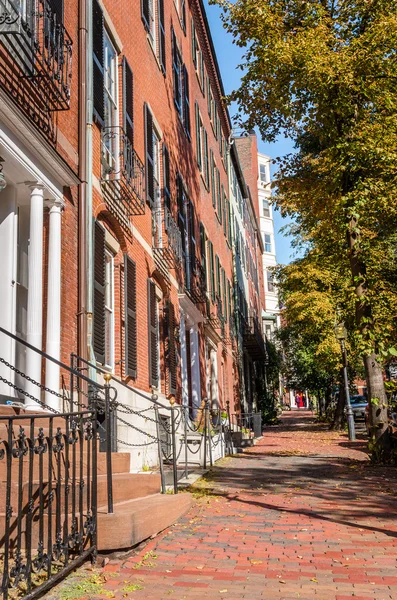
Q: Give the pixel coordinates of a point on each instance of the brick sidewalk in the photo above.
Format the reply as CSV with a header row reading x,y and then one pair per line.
x,y
301,515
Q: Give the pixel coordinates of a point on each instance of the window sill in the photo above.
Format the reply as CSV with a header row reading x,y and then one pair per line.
x,y
207,187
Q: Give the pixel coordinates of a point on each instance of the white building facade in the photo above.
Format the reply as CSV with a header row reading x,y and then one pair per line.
x,y
272,316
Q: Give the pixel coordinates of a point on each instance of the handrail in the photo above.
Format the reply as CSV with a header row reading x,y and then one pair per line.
x,y
122,383
51,358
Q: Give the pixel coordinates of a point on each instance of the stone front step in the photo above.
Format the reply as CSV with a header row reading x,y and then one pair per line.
x,y
139,519
120,464
126,486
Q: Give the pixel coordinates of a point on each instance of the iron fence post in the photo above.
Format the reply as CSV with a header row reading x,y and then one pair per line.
x,y
220,430
108,426
174,457
205,432
230,426
160,451
209,436
186,414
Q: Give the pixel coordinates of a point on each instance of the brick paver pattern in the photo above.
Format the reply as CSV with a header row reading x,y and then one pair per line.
x,y
302,514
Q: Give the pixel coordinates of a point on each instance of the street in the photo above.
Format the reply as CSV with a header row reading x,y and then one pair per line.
x,y
300,515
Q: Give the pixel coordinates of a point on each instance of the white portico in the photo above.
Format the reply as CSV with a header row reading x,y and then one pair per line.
x,y
25,310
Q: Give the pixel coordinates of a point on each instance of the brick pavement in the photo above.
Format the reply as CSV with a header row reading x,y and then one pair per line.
x,y
301,515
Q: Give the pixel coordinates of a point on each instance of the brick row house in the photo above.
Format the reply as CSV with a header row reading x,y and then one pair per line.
x,y
128,232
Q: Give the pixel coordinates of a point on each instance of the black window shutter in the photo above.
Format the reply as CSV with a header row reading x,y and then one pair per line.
x,y
166,177
99,293
128,102
175,70
192,238
206,165
194,49
171,349
183,15
131,358
153,333
218,193
218,276
213,190
203,252
149,156
98,61
198,137
57,9
161,36
225,212
145,13
181,213
186,105
212,272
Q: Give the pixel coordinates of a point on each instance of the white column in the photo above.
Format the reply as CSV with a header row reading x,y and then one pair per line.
x,y
214,379
195,367
34,326
185,386
53,341
8,250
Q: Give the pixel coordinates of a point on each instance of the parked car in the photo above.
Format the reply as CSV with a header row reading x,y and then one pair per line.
x,y
359,404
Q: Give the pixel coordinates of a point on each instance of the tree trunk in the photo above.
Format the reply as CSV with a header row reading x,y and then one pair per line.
x,y
337,423
320,403
377,398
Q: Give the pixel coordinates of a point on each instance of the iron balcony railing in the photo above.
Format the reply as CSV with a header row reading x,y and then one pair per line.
x,y
123,175
167,239
196,286
254,340
41,49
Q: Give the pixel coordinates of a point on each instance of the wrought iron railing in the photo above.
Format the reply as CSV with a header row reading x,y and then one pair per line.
x,y
167,239
48,475
123,175
196,287
40,47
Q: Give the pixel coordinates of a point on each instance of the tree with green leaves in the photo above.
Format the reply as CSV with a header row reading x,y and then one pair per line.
x,y
324,73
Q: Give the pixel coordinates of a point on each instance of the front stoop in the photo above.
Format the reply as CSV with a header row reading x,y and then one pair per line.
x,y
139,519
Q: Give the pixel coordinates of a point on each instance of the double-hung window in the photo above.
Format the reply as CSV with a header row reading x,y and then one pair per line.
x,y
202,147
153,148
262,173
110,142
267,242
103,317
198,59
109,309
266,208
181,86
153,19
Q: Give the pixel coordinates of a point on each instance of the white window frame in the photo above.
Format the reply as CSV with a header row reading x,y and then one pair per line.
x,y
263,171
266,208
109,308
267,242
153,25
110,148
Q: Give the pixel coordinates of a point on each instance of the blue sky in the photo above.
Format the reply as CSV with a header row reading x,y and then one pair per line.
x,y
229,57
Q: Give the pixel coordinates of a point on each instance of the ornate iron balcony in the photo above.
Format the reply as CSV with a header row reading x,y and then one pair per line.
x,y
167,239
123,175
196,287
253,339
40,48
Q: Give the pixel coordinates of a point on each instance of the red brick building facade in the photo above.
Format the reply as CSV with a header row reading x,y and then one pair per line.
x,y
130,142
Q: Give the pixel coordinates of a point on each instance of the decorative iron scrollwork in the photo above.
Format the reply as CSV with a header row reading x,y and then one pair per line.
x,y
19,571
41,445
21,446
59,444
